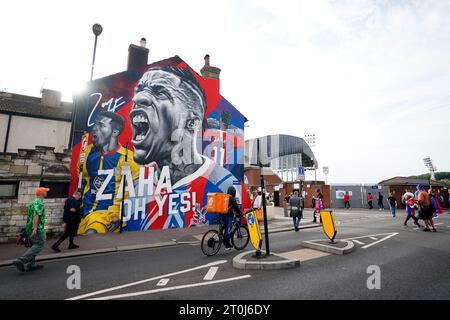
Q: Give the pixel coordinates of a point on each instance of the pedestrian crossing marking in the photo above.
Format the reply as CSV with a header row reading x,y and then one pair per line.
x,y
373,238
358,242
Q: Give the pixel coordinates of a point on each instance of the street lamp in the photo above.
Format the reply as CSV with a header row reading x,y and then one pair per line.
x,y
325,171
429,164
97,29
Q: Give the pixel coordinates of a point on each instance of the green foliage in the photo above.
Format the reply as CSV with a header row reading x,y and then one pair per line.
x,y
442,177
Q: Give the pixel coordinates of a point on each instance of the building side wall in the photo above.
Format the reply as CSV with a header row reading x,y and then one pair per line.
x,y
27,133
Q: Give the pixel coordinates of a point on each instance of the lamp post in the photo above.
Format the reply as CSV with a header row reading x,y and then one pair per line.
x,y
97,29
325,171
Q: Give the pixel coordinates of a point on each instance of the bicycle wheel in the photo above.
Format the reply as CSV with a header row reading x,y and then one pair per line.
x,y
240,237
211,242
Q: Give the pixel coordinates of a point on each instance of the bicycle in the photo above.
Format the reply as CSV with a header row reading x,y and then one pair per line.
x,y
212,240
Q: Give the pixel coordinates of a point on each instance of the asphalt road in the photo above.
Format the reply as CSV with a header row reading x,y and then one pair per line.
x,y
413,265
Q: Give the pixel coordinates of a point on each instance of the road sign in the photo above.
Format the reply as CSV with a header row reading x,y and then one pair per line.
x,y
253,229
301,173
328,224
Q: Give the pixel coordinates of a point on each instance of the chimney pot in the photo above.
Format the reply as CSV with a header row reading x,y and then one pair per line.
x,y
143,42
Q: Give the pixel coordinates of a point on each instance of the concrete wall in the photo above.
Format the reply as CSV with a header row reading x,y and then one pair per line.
x,y
27,133
358,197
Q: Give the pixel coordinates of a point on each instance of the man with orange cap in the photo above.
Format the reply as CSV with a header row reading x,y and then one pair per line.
x,y
36,232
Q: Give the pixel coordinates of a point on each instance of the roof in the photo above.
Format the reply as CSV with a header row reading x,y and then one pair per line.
x,y
404,181
28,106
279,145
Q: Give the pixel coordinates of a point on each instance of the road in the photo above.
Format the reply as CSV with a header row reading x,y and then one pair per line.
x,y
413,265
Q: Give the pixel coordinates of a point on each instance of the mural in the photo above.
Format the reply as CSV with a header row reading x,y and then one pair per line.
x,y
164,138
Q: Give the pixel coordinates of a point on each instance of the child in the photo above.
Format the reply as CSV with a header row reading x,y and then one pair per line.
x,y
410,210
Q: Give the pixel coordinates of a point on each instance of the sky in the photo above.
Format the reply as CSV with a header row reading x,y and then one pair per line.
x,y
370,78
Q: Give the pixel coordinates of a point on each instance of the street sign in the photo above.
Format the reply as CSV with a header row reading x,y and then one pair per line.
x,y
253,229
340,194
328,224
301,173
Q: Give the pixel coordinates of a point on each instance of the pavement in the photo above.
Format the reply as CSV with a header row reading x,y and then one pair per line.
x,y
116,242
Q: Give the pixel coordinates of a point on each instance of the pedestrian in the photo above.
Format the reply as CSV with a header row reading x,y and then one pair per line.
x,y
36,232
369,200
392,204
318,206
346,200
436,206
410,209
380,201
72,217
426,210
296,210
233,211
258,201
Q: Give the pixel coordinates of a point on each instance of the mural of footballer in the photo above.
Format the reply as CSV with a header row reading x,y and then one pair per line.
x,y
105,153
168,113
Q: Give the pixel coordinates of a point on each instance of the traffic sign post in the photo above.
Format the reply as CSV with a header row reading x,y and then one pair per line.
x,y
328,224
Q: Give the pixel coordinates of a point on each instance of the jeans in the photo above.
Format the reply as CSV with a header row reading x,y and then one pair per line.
x,y
392,207
296,221
37,244
227,223
409,216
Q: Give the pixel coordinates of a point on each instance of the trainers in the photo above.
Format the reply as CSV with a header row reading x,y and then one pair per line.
x,y
427,230
19,265
434,229
74,246
228,248
56,249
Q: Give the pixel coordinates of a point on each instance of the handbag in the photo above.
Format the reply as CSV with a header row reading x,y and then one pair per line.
x,y
23,238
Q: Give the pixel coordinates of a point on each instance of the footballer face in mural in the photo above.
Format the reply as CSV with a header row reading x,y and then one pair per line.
x,y
107,128
168,111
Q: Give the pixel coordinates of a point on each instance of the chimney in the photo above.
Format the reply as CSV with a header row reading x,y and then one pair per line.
x,y
51,98
210,72
137,56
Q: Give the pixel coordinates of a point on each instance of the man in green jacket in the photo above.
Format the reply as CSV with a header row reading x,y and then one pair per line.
x,y
35,230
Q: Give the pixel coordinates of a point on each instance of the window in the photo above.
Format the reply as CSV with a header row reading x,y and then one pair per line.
x,y
57,189
8,190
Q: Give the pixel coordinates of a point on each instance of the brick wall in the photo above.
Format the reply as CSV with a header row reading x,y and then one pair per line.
x,y
28,168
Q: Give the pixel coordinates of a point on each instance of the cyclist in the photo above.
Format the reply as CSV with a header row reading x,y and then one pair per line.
x,y
233,210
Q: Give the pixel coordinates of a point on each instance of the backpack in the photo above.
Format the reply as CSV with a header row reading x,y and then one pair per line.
x,y
23,238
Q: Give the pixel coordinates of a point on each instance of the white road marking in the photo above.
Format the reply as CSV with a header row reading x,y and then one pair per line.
x,y
385,238
373,238
358,242
211,273
388,235
146,280
140,293
162,282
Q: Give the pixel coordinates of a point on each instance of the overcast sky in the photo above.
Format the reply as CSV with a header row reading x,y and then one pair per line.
x,y
370,78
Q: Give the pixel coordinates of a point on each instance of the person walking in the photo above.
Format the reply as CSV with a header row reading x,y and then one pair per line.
x,y
392,204
426,209
36,232
72,217
380,201
410,209
346,200
258,201
296,210
369,200
318,206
